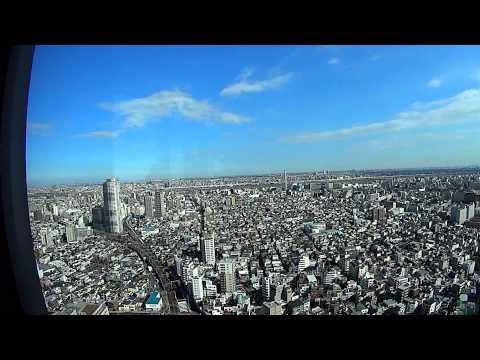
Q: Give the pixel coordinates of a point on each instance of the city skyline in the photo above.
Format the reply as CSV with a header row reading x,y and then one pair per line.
x,y
139,112
350,245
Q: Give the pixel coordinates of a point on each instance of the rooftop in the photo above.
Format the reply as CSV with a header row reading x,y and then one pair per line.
x,y
154,298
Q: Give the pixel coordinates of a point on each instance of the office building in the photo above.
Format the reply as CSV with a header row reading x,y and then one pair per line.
x,y
206,218
303,263
230,201
97,218
82,232
70,233
379,214
207,246
45,237
271,308
285,183
178,265
278,293
458,214
38,215
266,288
149,206
210,289
112,207
160,205
226,268
197,288
470,211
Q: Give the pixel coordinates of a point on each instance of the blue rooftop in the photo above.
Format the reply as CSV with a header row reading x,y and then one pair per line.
x,y
154,298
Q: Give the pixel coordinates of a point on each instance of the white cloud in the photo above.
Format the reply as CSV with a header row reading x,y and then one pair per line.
x,y
462,107
387,144
100,134
245,86
333,61
245,74
164,103
435,83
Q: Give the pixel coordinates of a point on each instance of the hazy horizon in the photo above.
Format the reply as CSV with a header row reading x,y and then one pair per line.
x,y
99,181
140,112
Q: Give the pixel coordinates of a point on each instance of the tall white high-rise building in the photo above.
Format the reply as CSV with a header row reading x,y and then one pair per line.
x,y
303,263
178,265
226,268
149,206
207,246
266,288
112,207
278,292
206,218
470,211
45,236
459,214
160,205
285,185
71,233
197,288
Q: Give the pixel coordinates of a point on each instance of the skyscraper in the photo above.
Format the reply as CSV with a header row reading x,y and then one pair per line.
x,y
197,288
303,263
379,214
112,209
149,204
71,233
226,268
285,180
206,218
97,218
38,215
207,245
230,201
458,214
266,288
160,208
45,237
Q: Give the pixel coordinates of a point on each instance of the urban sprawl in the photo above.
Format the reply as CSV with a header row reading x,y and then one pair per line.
x,y
321,243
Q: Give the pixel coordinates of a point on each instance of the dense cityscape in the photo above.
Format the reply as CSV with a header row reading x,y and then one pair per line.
x,y
378,242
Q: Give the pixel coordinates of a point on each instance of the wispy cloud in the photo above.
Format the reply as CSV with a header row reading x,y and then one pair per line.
x,y
462,107
333,61
435,83
245,86
375,57
39,128
245,74
100,134
387,144
165,103
441,136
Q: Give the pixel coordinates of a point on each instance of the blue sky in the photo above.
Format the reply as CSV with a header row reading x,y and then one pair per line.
x,y
139,112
